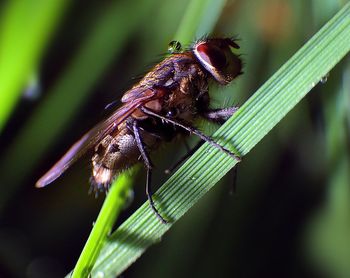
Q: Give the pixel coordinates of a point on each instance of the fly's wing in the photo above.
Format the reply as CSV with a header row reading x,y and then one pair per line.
x,y
89,140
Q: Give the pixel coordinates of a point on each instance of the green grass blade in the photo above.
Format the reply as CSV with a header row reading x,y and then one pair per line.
x,y
24,31
113,205
244,130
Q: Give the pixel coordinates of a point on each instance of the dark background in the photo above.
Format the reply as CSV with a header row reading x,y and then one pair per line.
x,y
290,214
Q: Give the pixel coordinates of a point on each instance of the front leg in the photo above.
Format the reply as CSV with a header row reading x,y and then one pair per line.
x,y
148,164
220,115
191,130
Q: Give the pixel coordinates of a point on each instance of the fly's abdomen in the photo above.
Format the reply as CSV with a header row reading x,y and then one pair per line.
x,y
113,155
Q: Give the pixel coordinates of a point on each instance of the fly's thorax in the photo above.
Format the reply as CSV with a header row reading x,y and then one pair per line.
x,y
182,102
155,106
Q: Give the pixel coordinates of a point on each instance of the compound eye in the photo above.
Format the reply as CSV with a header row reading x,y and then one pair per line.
x,y
172,112
218,60
211,55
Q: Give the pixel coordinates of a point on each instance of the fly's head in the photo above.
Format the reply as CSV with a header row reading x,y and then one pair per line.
x,y
216,57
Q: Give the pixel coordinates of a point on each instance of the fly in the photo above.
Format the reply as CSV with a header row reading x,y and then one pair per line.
x,y
163,105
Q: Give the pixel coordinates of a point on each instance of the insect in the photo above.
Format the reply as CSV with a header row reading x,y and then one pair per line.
x,y
164,104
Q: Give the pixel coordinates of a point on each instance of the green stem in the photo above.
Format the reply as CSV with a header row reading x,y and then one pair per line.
x,y
112,206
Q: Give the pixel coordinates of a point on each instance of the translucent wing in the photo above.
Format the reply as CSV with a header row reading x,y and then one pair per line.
x,y
90,139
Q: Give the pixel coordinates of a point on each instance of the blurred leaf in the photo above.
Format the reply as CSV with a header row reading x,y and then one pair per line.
x,y
329,229
195,22
25,29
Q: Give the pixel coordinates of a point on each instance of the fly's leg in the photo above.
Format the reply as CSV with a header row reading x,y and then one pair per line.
x,y
220,116
149,166
192,130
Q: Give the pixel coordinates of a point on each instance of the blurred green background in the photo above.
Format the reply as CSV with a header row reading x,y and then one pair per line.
x,y
61,62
